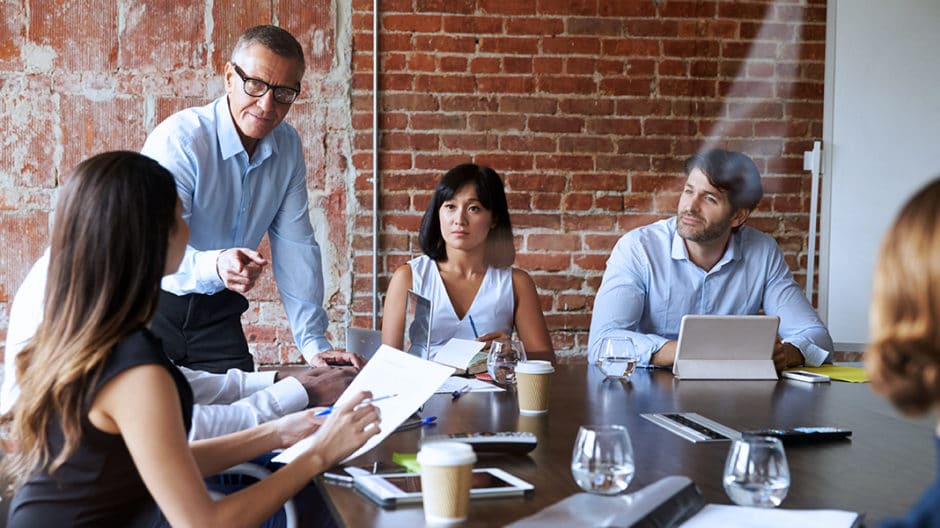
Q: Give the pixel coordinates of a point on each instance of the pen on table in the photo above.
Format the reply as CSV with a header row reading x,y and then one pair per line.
x,y
414,424
460,392
328,410
473,326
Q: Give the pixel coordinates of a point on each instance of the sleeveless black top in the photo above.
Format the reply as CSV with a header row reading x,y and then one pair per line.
x,y
98,485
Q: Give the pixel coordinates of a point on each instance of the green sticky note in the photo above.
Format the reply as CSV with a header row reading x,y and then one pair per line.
x,y
409,461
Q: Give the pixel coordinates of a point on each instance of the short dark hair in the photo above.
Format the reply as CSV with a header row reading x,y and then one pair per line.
x,y
276,39
500,250
732,172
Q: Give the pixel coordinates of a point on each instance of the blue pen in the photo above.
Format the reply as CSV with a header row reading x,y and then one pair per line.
x,y
416,423
473,326
460,392
328,410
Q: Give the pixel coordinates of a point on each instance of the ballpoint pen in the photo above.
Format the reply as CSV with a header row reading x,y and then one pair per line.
x,y
460,392
416,423
473,326
328,410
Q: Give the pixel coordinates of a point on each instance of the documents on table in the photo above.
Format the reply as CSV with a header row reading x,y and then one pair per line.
x,y
457,383
713,515
390,371
675,498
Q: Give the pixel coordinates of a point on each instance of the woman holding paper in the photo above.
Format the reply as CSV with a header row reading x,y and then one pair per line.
x,y
903,357
466,270
101,421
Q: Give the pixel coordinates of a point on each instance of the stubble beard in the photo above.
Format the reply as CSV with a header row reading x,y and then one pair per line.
x,y
706,232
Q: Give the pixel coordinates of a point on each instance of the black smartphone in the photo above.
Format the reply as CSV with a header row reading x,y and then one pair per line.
x,y
803,435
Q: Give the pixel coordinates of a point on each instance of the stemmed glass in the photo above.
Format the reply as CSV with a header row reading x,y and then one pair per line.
x,y
756,472
617,357
502,359
602,461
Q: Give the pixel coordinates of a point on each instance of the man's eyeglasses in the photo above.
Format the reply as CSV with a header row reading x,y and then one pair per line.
x,y
257,88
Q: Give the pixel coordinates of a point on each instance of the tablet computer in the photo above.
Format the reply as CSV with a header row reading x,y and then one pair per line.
x,y
403,488
418,315
726,347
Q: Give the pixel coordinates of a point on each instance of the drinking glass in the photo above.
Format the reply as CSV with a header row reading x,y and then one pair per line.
x,y
502,359
756,472
602,461
617,357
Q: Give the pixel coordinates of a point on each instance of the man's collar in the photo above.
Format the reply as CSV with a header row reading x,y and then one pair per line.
x,y
732,252
230,143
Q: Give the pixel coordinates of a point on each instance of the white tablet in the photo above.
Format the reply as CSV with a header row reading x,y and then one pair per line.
x,y
402,488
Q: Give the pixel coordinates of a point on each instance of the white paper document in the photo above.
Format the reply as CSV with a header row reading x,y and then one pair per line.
x,y
458,353
413,380
714,515
457,383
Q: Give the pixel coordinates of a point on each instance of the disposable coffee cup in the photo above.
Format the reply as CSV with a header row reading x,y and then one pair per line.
x,y
446,472
534,385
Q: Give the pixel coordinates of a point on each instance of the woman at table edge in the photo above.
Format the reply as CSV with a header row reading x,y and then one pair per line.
x,y
903,357
101,421
466,269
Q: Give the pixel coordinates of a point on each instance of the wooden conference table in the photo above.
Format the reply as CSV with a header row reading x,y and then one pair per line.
x,y
881,471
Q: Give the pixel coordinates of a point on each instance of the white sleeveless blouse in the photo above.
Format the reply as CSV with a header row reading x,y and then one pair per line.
x,y
492,308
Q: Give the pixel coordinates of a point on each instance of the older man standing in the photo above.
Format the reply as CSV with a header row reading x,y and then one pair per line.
x,y
240,172
705,261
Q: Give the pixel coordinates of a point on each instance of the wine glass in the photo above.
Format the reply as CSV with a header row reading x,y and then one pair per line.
x,y
756,472
617,357
602,461
502,359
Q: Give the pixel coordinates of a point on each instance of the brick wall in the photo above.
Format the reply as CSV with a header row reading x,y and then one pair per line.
x,y
82,77
588,109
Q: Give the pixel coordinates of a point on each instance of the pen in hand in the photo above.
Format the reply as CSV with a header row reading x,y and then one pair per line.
x,y
473,327
328,410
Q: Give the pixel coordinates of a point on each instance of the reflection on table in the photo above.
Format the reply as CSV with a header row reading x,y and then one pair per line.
x,y
880,472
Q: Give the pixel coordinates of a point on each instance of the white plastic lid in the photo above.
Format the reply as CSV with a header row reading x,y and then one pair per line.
x,y
535,366
446,454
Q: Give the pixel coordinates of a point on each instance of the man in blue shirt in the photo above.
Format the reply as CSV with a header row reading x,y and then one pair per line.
x,y
705,261
240,172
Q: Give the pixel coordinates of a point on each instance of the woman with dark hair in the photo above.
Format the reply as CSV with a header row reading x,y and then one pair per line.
x,y
101,421
466,270
903,357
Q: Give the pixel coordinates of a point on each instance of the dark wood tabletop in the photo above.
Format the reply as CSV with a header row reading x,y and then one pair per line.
x,y
880,472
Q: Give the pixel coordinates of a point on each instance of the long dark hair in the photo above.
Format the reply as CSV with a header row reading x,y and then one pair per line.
x,y
500,250
113,220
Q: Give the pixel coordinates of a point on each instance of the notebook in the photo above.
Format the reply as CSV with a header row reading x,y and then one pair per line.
x,y
417,339
726,347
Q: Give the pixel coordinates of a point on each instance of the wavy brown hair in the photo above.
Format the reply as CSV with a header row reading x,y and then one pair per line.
x,y
108,251
903,357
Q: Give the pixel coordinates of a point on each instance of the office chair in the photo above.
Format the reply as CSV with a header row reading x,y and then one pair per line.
x,y
256,472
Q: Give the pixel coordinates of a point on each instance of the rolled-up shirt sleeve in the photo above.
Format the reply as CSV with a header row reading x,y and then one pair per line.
x,y
800,326
280,399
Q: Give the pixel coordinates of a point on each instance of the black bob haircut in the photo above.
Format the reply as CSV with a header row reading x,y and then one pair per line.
x,y
732,172
500,250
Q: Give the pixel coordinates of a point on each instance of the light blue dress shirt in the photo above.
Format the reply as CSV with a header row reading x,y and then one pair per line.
x,y
650,283
230,201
